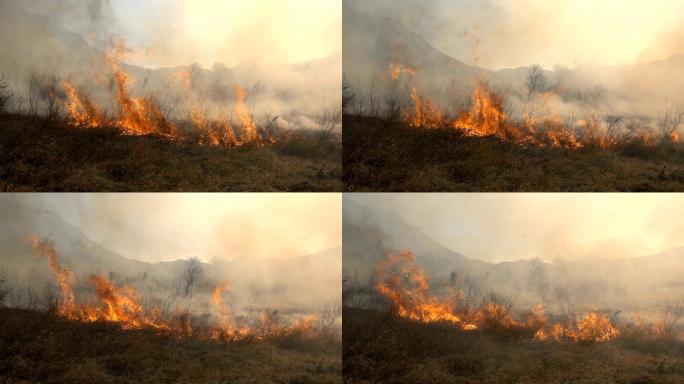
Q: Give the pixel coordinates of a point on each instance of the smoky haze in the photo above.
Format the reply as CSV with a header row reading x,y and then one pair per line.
x,y
596,60
167,227
270,249
572,253
509,227
513,33
286,54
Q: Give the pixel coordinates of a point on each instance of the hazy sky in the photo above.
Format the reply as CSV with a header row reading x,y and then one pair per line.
x,y
181,32
497,227
515,33
231,32
168,226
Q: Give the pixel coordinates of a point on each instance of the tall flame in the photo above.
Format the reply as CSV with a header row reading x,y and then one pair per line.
x,y
249,129
62,275
82,112
143,115
122,305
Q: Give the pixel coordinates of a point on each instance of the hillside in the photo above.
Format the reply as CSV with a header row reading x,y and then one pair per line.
x,y
41,155
380,348
278,282
38,347
391,156
391,34
593,282
295,92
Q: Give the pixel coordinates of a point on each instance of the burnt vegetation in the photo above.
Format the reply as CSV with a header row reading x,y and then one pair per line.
x,y
42,347
102,329
395,139
56,141
401,326
380,347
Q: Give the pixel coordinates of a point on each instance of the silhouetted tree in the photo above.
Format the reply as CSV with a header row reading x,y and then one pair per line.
x,y
536,80
191,275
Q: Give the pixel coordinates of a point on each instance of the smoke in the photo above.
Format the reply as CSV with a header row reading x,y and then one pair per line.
x,y
599,60
509,227
519,33
290,51
271,248
570,253
157,228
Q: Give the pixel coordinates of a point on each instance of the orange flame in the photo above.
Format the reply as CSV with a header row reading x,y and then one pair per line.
x,y
407,288
82,112
122,305
141,116
63,276
593,327
249,130
396,70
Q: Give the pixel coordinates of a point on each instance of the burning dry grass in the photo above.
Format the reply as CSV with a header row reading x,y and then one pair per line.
x,y
122,305
424,337
388,155
380,347
39,154
402,282
144,116
540,125
42,347
491,144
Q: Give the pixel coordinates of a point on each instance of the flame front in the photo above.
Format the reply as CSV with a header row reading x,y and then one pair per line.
x,y
407,288
82,112
540,126
143,115
63,276
122,305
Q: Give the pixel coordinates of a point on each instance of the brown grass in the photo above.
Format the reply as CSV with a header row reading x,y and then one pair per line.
x,y
39,347
382,155
380,348
37,154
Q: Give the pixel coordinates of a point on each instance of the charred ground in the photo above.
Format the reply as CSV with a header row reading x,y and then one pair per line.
x,y
40,154
41,347
385,154
380,347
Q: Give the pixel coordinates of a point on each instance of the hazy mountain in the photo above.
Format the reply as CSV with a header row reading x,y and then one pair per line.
x,y
35,45
375,39
304,281
372,43
370,233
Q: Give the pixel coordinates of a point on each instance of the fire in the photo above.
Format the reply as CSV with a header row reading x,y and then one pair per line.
x,y
82,112
249,129
143,115
485,118
63,276
407,288
593,327
122,305
540,126
397,69
139,116
425,114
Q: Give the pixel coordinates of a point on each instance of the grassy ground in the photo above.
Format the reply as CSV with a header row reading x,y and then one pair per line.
x,y
380,348
38,347
39,155
380,155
